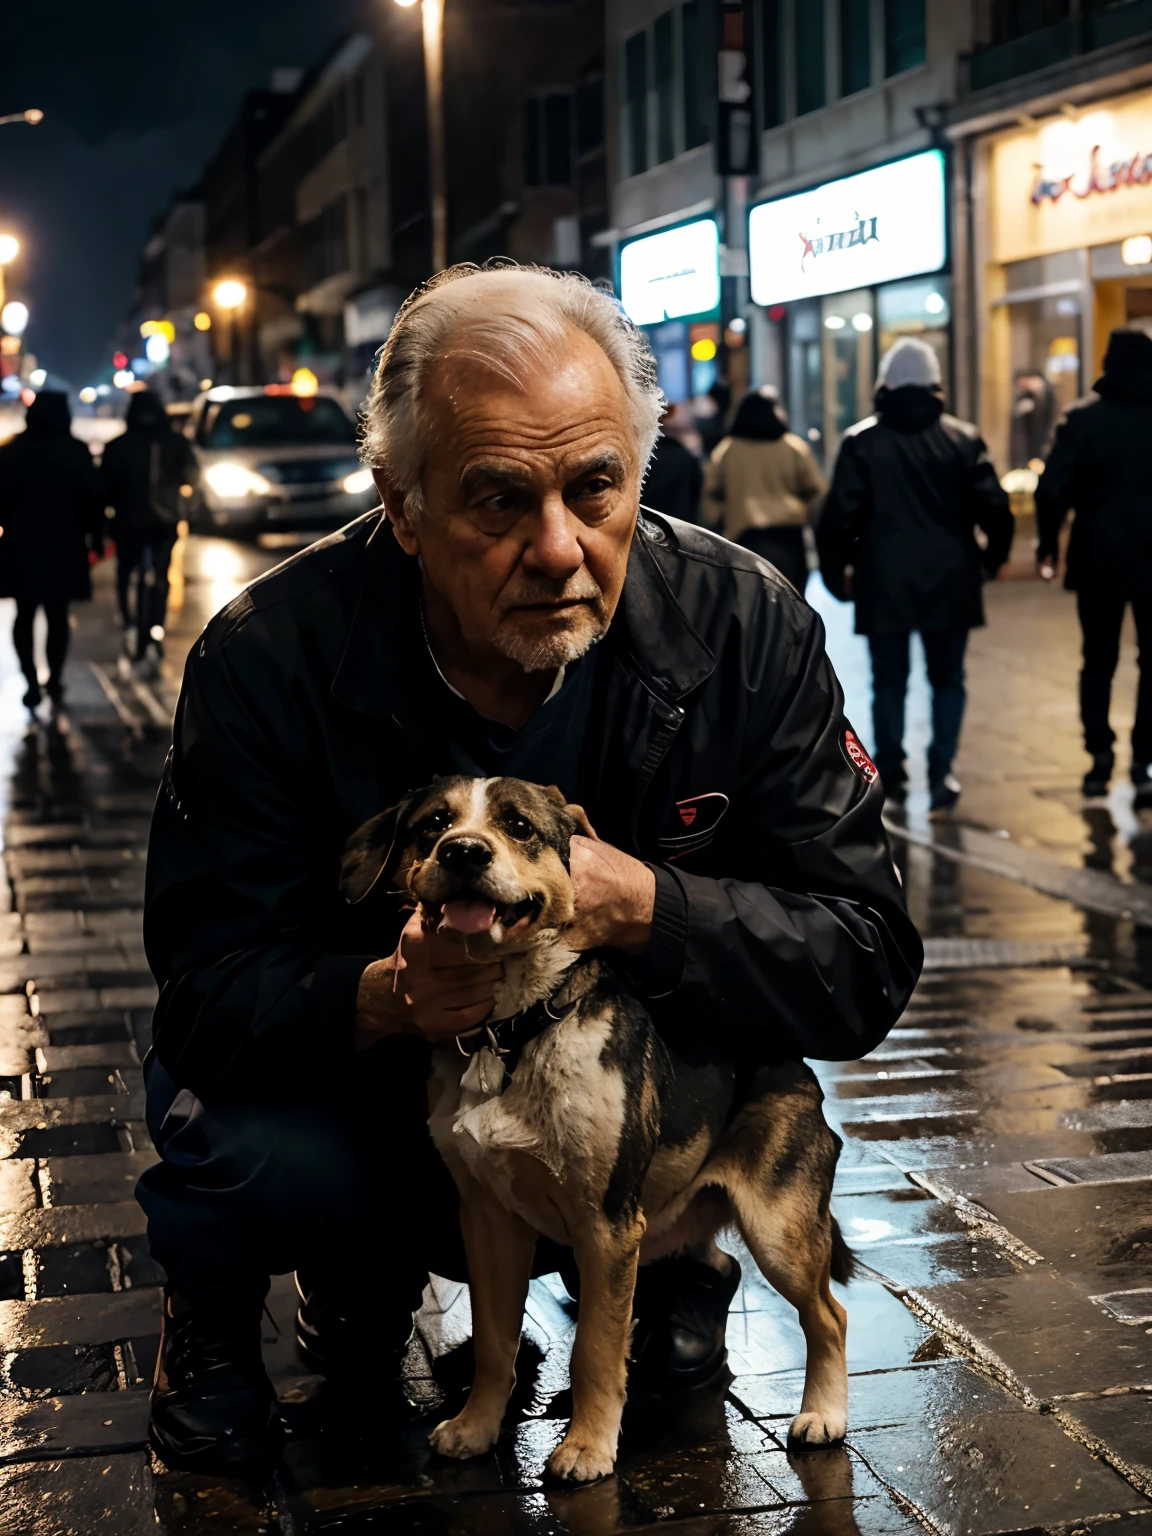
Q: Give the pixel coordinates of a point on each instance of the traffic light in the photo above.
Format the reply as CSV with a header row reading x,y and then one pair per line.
x,y
119,360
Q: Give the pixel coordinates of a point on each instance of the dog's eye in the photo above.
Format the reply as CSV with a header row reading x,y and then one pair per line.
x,y
438,822
516,826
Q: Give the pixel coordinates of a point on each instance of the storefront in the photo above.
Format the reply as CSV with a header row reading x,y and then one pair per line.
x,y
839,273
1063,255
669,285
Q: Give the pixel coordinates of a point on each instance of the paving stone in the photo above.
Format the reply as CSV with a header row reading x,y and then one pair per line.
x,y
75,1269
971,1181
70,1223
76,1320
1099,1232
912,1394
65,1029
60,1369
92,1425
110,1494
18,1187
911,1263
1122,1425
143,996
84,1081
1109,1168
108,1176
56,1058
65,1140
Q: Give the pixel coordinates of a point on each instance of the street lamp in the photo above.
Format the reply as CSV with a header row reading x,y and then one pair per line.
x,y
229,295
9,250
432,15
32,116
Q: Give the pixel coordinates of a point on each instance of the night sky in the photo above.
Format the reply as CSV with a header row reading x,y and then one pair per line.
x,y
136,95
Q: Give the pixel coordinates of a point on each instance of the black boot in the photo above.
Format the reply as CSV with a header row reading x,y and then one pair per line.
x,y
681,1311
1095,786
351,1338
213,1407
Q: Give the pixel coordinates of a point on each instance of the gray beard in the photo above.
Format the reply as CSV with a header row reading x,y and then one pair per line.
x,y
549,654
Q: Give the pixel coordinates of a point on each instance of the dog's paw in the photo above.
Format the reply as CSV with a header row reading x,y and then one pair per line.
x,y
577,1460
815,1429
462,1437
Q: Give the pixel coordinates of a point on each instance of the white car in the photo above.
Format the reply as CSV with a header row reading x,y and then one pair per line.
x,y
270,459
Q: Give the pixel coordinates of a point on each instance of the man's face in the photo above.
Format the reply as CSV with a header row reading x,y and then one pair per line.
x,y
530,501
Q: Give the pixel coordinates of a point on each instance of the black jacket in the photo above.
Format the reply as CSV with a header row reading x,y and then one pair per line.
x,y
719,742
143,470
1099,466
674,483
51,512
910,487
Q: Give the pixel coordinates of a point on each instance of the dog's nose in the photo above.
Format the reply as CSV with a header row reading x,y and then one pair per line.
x,y
464,855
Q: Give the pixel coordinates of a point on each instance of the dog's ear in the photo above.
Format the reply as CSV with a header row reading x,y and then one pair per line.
x,y
575,813
373,850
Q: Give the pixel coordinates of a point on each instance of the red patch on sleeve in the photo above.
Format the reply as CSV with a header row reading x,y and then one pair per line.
x,y
859,758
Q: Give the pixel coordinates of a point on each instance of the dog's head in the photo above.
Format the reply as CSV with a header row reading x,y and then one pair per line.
x,y
487,858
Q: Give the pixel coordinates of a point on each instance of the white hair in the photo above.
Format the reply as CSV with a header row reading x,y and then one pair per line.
x,y
507,316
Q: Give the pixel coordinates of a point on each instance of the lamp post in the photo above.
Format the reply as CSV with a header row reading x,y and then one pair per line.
x,y
229,296
32,117
432,16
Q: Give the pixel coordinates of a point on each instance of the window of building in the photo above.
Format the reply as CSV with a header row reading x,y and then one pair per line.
x,y
770,34
695,122
664,61
905,35
1016,18
548,139
855,46
590,112
636,102
324,243
809,33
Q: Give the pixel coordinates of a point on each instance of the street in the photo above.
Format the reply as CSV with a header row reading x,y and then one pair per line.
x,y
994,1179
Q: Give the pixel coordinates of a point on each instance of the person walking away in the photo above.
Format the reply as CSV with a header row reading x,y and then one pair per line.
x,y
898,536
675,479
145,471
765,481
51,513
1099,467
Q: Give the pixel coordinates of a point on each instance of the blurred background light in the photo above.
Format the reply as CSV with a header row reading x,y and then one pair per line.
x,y
14,317
9,249
38,378
157,350
230,294
88,395
202,321
304,382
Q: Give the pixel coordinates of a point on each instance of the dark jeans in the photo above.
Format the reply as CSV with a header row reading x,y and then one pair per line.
x,y
145,558
1101,617
56,612
944,653
783,548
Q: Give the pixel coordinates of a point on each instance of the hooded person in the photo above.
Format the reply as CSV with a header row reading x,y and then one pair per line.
x,y
51,514
1098,467
763,481
898,537
148,472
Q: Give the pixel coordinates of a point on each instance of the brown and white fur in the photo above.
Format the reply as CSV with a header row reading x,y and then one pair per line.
x,y
601,1137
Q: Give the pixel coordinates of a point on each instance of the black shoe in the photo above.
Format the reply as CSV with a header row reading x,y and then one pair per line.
x,y
33,696
55,691
213,1407
343,1340
944,795
681,1312
1095,785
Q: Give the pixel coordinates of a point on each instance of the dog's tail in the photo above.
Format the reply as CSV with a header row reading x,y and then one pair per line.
x,y
843,1259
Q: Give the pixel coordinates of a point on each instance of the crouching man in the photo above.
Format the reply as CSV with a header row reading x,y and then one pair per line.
x,y
509,611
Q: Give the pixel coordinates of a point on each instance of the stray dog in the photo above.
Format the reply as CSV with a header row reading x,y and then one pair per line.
x,y
577,1121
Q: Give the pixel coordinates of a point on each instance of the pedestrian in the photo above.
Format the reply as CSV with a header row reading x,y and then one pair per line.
x,y
898,537
675,478
764,482
148,472
507,612
1033,418
1098,466
51,514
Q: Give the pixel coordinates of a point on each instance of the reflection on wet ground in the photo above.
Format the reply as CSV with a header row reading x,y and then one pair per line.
x,y
994,1182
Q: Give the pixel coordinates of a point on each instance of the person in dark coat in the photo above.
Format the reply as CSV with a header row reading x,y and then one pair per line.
x,y
910,487
51,514
145,471
675,480
1099,466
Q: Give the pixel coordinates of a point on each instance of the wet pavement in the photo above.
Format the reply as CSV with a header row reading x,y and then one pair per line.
x,y
995,1182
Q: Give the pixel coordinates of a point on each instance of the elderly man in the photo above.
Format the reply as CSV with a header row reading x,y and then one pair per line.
x,y
509,614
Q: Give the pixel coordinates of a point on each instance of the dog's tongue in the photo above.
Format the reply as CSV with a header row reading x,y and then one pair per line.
x,y
468,914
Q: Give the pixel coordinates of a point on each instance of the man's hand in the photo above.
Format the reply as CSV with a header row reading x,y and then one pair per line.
x,y
430,987
1046,567
615,895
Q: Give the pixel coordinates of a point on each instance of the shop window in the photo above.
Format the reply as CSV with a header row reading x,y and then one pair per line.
x,y
695,120
905,35
670,349
848,325
770,33
808,26
664,63
855,46
636,102
806,373
548,140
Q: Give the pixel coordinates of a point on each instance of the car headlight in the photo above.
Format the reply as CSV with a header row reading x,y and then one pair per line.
x,y
359,481
232,481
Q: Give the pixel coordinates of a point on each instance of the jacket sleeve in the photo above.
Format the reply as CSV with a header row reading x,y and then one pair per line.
x,y
240,891
809,950
810,483
1056,492
88,499
991,509
842,518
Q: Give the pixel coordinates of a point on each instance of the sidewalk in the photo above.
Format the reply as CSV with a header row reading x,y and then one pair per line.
x,y
995,1180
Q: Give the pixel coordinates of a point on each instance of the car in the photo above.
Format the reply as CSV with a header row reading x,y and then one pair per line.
x,y
270,459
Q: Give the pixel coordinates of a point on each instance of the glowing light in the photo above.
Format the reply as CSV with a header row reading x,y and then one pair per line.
x,y
123,377
10,384
88,395
359,481
202,321
9,346
149,328
14,317
103,389
738,325
835,323
232,481
205,383
862,323
304,382
38,378
33,116
405,3
1136,251
9,249
119,359
704,350
27,396
671,274
230,294
935,304
157,350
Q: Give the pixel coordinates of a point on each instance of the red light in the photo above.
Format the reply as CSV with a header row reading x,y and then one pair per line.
x,y
777,311
119,359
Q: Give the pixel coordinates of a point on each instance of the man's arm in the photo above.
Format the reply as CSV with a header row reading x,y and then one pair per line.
x,y
991,509
842,518
1055,494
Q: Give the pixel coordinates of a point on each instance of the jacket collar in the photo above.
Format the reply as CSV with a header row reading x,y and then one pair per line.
x,y
650,627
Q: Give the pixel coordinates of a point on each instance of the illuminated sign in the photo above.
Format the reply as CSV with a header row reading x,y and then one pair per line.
x,y
874,227
671,274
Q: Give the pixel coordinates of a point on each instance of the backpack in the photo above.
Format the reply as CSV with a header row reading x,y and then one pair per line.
x,y
164,481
